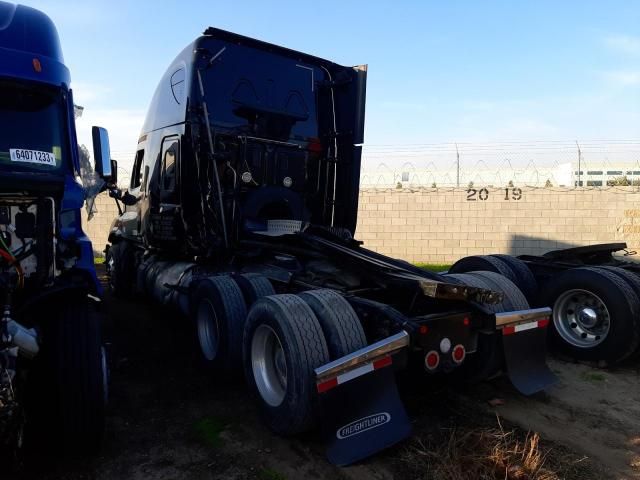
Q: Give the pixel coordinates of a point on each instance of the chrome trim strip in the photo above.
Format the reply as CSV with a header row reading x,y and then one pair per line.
x,y
519,316
386,346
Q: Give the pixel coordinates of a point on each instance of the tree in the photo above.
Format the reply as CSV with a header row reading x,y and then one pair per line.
x,y
510,184
433,185
470,185
399,185
619,182
548,184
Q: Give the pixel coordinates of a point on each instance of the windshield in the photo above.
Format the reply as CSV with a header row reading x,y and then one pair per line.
x,y
33,136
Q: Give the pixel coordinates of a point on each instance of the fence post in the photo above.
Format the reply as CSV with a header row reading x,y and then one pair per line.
x,y
579,164
457,166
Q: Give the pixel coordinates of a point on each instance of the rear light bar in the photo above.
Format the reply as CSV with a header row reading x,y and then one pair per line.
x,y
521,320
355,373
511,329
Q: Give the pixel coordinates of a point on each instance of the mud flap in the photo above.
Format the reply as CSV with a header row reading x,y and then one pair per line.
x,y
362,417
525,357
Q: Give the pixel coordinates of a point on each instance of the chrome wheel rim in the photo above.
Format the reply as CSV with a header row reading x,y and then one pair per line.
x,y
581,318
269,365
208,330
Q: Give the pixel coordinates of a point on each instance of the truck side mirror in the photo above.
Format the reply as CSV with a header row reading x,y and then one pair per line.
x,y
114,172
102,153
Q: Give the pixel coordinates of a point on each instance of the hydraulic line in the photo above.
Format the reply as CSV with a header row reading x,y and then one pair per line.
x,y
13,261
212,148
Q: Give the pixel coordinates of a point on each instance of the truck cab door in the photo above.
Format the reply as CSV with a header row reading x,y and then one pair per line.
x,y
166,220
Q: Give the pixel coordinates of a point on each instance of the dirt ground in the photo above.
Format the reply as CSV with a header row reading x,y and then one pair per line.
x,y
170,419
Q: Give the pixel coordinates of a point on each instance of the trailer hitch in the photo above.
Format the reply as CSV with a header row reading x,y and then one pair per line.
x,y
452,291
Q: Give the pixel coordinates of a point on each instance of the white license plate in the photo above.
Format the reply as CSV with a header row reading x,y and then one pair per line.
x,y
32,156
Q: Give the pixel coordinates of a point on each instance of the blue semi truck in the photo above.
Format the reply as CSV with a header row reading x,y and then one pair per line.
x,y
52,363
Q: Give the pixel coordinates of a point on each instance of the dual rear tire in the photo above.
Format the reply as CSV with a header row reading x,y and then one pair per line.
x,y
279,342
286,338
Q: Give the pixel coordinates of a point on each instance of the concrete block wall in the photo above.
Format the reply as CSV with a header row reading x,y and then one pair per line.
x,y
98,227
442,225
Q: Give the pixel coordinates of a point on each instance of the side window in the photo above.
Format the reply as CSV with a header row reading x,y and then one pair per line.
x,y
136,174
169,169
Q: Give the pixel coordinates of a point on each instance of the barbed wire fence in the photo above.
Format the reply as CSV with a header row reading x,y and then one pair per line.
x,y
532,164
567,164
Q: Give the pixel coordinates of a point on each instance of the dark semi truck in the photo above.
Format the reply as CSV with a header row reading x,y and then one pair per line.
x,y
241,214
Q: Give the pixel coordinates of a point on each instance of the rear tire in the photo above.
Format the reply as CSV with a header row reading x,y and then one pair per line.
x,y
510,267
283,344
65,411
253,286
488,263
340,324
595,314
488,359
219,313
524,278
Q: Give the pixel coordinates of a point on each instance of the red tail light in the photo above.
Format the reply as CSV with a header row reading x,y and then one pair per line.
x,y
432,360
458,353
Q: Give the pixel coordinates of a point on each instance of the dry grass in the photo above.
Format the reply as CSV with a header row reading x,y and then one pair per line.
x,y
485,453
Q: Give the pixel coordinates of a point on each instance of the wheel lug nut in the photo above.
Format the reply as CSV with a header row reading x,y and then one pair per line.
x,y
574,324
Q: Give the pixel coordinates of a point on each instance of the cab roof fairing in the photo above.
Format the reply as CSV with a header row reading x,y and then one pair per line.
x,y
27,34
164,109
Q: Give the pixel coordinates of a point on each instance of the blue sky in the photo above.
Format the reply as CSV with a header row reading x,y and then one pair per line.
x,y
465,71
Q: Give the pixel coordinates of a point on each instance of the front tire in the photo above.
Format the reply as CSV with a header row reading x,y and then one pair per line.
x,y
120,267
65,411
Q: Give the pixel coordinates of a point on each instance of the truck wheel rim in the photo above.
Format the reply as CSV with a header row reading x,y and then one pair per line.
x,y
269,365
208,330
581,318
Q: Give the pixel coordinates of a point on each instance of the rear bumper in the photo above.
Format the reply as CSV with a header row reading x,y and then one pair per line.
x,y
518,321
380,354
360,362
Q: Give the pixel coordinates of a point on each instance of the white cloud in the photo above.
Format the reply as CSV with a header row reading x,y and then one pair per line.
x,y
624,43
84,93
624,78
124,128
